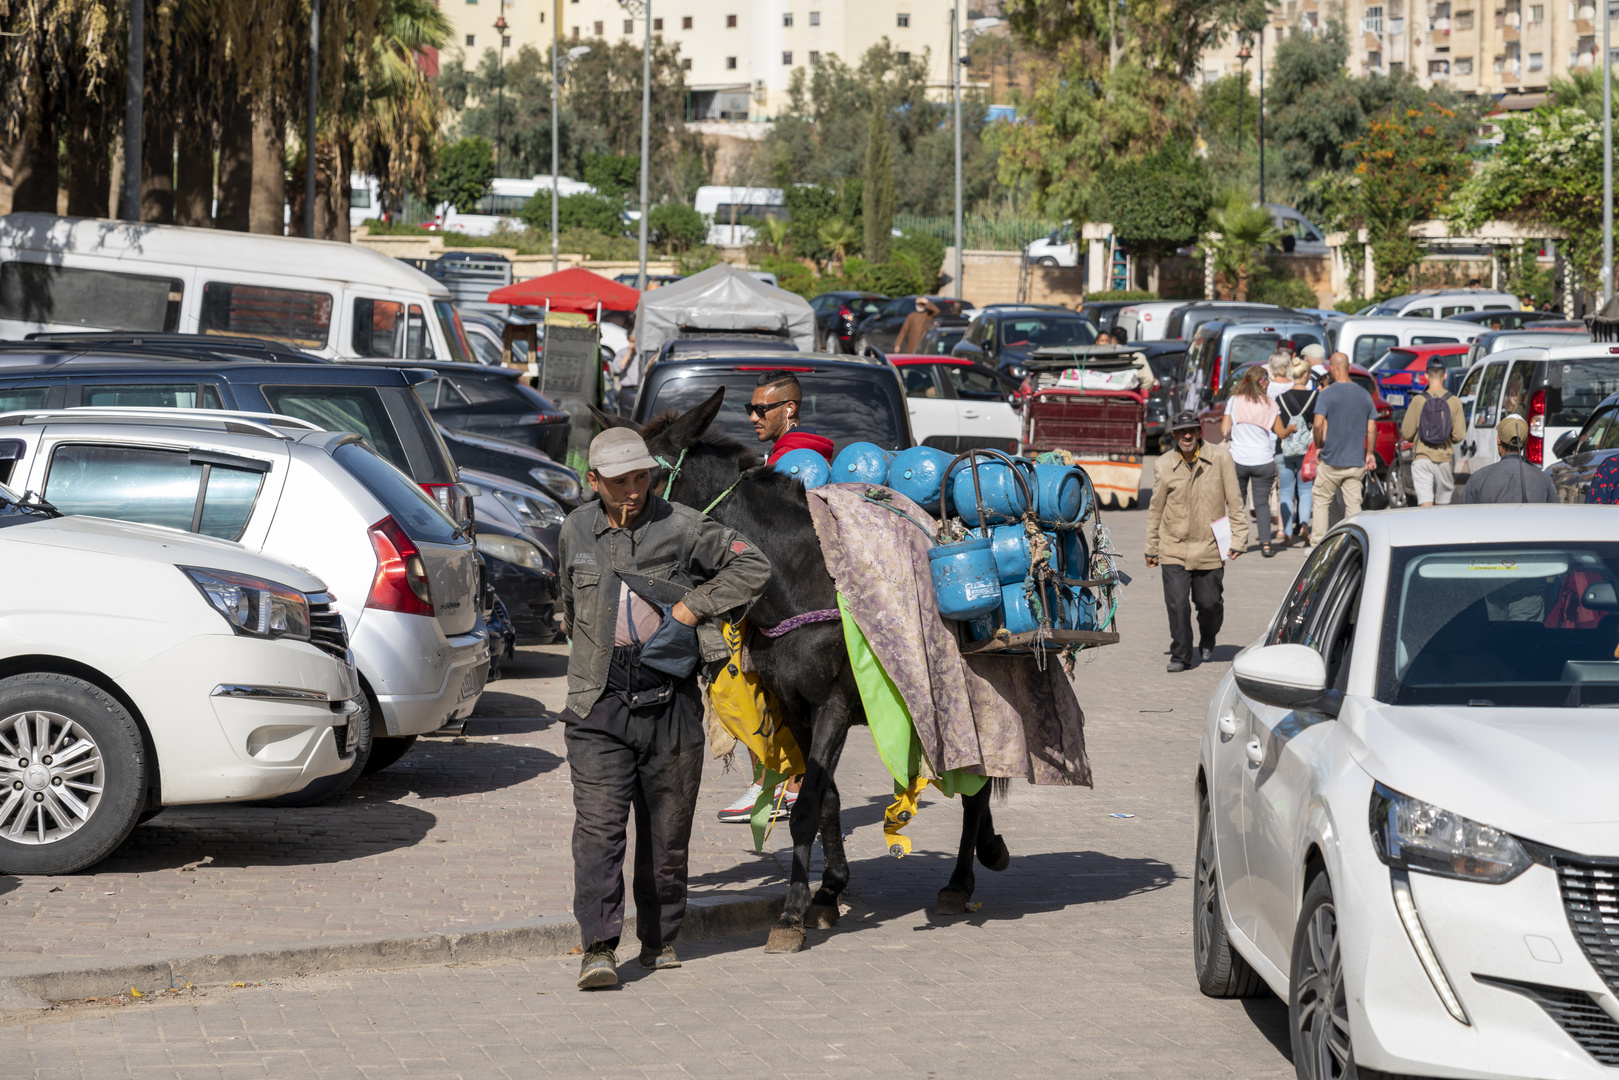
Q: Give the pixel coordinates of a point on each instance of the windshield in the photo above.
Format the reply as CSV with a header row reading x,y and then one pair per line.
x,y
940,342
1034,331
861,305
1393,360
1577,388
449,321
1252,349
1522,625
841,408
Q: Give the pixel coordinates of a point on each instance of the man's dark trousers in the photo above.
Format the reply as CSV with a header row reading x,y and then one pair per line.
x,y
1182,589
649,761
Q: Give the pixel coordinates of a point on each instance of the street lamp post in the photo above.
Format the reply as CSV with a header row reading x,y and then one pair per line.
x,y
309,124
642,9
500,91
955,91
1243,56
134,93
1262,115
1607,155
559,64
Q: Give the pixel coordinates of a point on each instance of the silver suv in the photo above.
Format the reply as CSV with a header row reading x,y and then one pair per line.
x,y
404,574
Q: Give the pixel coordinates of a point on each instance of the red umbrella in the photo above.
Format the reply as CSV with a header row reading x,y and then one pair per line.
x,y
573,289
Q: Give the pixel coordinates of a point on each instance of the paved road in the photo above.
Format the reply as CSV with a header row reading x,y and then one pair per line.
x,y
1078,962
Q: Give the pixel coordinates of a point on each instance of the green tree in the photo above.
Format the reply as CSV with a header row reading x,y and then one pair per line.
x,y
676,227
462,177
839,238
878,209
584,211
1157,204
1245,231
613,174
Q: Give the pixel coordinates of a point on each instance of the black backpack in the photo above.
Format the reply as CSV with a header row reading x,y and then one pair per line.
x,y
1433,427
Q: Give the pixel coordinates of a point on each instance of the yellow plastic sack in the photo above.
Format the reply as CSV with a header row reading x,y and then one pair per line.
x,y
745,709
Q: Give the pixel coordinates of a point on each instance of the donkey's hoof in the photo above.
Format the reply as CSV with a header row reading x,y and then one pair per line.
x,y
784,939
952,901
822,916
994,855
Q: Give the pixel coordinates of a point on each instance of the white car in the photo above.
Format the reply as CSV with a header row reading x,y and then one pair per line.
x,y
1146,321
1059,248
322,500
141,668
1408,799
958,404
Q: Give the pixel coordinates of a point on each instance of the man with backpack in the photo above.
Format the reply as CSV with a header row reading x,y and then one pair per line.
x,y
1433,423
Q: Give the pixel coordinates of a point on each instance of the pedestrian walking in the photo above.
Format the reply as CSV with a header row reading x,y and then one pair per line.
x,y
916,324
638,575
1250,426
1433,424
1195,523
625,370
1279,365
1512,479
1345,433
1297,408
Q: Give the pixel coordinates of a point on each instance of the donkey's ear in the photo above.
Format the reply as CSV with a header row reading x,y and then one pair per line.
x,y
608,420
689,427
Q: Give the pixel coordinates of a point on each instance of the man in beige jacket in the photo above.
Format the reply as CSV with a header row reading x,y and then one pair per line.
x,y
1192,490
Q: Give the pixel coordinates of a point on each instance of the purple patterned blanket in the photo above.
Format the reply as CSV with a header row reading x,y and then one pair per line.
x,y
995,714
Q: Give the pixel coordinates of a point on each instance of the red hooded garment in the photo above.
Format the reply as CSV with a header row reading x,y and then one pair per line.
x,y
800,439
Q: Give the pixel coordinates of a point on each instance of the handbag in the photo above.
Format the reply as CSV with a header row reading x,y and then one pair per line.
x,y
1299,442
1373,495
1308,466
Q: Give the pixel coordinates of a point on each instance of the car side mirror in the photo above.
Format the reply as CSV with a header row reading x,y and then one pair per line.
x,y
1565,443
1287,677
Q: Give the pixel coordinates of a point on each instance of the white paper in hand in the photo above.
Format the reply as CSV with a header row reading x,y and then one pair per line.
x,y
1222,536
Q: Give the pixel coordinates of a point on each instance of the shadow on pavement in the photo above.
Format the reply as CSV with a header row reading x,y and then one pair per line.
x,y
440,770
1269,1014
244,836
532,663
506,725
7,883
499,704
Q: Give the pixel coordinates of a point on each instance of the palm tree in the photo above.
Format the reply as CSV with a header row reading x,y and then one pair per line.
x,y
395,123
1245,231
840,238
1581,90
774,233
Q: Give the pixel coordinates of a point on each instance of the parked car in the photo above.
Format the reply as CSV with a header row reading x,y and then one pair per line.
x,y
1443,303
1219,349
1145,320
517,536
958,404
942,336
1545,335
485,336
318,499
707,343
515,462
1579,453
1404,793
143,668
194,371
1184,321
1386,447
1299,235
1556,389
1103,313
1365,338
846,398
881,328
494,401
1403,373
1168,361
1058,248
838,313
1006,336
329,298
1506,318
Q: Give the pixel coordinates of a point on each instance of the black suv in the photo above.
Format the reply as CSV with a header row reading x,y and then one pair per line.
x,y
846,398
492,401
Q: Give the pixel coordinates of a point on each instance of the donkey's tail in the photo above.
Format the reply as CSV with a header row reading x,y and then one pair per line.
x,y
1000,786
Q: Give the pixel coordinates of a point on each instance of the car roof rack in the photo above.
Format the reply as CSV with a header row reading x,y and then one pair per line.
x,y
227,345
271,425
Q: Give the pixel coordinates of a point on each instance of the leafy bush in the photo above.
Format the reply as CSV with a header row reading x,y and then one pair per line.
x,y
676,227
462,174
595,245
1122,295
1350,306
696,260
1286,291
928,251
613,174
793,276
584,211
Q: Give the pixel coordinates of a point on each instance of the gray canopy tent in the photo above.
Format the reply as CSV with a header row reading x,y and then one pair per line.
x,y
725,300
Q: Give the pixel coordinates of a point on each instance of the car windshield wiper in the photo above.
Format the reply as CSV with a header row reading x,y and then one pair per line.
x,y
34,502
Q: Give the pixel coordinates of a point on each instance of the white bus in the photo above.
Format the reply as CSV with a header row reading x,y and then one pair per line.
x,y
723,205
505,201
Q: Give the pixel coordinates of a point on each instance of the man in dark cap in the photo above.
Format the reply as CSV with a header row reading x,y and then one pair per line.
x,y
1434,424
1194,497
1512,479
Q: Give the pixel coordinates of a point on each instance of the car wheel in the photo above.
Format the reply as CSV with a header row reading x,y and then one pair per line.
x,y
1318,1012
74,769
1221,971
1046,260
384,752
328,788
861,344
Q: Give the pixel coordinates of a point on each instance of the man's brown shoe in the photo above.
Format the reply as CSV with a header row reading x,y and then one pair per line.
x,y
659,959
599,969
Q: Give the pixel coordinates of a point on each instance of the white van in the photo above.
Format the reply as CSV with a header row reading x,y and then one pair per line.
x,y
722,204
1443,303
505,201
60,274
1145,321
1365,339
1555,389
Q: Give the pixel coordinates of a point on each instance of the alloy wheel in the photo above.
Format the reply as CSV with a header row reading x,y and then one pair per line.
x,y
1321,1020
51,777
1207,897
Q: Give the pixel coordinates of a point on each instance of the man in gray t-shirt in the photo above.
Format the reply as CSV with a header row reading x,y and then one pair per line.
x,y
1345,432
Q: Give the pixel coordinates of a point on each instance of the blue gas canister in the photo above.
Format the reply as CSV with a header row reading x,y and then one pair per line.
x,y
1060,494
964,578
1003,496
861,463
806,466
918,474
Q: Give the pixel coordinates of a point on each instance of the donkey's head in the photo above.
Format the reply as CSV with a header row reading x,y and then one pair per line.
x,y
702,463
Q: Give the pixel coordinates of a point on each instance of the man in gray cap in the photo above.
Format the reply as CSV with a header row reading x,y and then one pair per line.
x,y
636,574
1512,479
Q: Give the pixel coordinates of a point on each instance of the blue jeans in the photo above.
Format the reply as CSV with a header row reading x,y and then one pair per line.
x,y
1289,487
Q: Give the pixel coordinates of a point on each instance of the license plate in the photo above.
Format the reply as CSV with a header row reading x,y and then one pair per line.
x,y
1394,397
470,685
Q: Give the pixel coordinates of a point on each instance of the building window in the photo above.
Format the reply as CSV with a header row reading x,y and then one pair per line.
x,y
1537,61
629,26
472,40
657,24
1537,13
1373,22
1396,67
815,57
730,22
576,32
685,22
542,17
815,18
730,63
787,58
599,28
904,20
1464,20
1438,69
1374,59
786,18
685,64
1464,65
905,58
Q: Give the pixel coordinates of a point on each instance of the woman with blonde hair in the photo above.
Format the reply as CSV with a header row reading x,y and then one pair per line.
x,y
1250,425
1298,419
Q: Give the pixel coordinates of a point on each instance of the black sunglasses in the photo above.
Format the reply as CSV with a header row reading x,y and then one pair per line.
x,y
761,410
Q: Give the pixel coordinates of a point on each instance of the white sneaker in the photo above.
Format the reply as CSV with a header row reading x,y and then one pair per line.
x,y
742,810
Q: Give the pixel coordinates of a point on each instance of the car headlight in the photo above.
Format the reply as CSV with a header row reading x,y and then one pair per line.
x,y
512,549
1410,834
253,607
561,483
537,511
1018,370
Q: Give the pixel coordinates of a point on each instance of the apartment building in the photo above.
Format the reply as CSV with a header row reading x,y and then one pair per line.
x,y
739,55
1507,49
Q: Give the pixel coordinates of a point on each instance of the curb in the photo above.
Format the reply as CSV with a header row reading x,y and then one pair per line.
x,y
707,915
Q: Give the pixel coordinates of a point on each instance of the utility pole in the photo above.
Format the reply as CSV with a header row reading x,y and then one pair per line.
x,y
309,126
1261,115
1244,54
134,92
1607,154
556,90
500,91
955,84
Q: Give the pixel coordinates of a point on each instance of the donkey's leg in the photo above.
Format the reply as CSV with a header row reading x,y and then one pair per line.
x,y
830,727
974,813
823,909
992,850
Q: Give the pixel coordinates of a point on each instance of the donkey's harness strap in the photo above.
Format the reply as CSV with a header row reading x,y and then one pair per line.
x,y
787,627
674,470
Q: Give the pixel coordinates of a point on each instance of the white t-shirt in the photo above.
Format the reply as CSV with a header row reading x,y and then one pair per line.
x,y
1253,442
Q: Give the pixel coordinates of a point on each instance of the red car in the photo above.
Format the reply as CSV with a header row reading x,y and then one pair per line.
x,y
1401,372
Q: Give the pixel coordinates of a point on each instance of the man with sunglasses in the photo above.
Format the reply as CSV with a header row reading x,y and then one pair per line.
x,y
777,400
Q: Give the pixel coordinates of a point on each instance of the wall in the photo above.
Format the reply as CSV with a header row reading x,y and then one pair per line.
x,y
524,267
